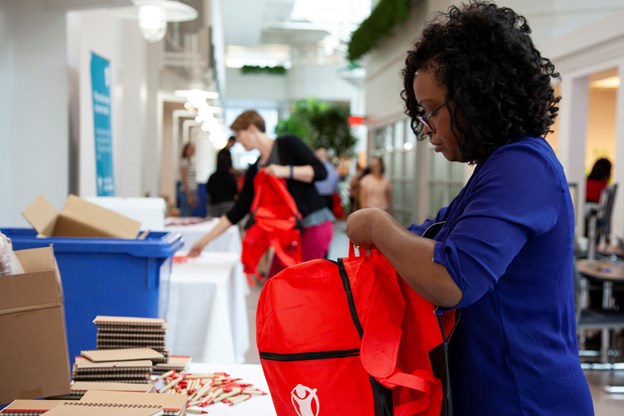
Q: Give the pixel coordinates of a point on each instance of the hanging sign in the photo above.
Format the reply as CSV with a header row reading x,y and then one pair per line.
x,y
100,86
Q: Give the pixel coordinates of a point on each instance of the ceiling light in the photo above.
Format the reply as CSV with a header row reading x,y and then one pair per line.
x,y
611,82
153,16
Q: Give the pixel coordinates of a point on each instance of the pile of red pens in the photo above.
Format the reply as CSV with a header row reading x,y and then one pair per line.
x,y
208,388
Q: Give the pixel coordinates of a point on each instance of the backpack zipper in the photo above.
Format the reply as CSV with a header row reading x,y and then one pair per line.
x,y
347,287
316,355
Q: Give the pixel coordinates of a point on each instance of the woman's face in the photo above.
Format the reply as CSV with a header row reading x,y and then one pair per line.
x,y
431,95
375,166
247,137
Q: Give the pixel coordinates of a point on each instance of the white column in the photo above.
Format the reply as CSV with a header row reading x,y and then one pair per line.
x,y
617,228
34,99
572,136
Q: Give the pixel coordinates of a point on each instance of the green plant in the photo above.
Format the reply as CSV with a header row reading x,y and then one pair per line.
x,y
320,124
386,15
257,69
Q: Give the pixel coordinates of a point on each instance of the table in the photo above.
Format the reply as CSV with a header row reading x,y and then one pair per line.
x,y
207,310
229,241
607,272
251,373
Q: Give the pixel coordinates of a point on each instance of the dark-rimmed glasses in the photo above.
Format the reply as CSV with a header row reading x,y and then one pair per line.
x,y
424,119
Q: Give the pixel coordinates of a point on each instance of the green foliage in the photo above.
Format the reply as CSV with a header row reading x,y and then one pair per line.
x,y
320,124
256,69
386,15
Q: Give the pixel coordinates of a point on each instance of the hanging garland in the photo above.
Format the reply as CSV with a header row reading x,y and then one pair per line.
x,y
386,15
256,69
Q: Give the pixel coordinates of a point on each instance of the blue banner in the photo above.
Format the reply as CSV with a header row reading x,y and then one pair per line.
x,y
100,86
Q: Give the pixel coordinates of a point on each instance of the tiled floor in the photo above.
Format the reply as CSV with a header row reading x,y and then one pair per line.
x,y
605,404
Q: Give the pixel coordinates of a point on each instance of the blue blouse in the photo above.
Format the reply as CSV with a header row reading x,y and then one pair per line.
x,y
508,245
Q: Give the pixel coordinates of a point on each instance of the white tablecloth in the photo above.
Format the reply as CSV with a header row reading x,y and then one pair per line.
x,y
250,373
207,311
229,241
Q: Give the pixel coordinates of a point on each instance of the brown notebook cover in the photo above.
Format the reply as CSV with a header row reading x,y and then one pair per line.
x,y
104,409
84,386
24,407
173,404
125,354
102,320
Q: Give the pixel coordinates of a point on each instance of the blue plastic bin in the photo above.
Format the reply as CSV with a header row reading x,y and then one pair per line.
x,y
106,276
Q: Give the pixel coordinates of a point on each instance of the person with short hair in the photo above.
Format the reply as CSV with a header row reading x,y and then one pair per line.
x,y
477,88
286,157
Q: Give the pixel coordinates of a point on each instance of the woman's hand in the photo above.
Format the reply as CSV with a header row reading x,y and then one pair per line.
x,y
279,171
360,225
197,249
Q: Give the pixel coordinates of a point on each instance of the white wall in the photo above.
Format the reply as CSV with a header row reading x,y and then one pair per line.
x,y
134,67
33,106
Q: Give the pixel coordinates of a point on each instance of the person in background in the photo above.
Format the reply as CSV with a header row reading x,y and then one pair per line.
x,y
225,151
476,87
597,180
354,186
328,186
289,158
222,187
189,184
376,188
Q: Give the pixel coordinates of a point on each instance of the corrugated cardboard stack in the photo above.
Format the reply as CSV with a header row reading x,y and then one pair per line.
x,y
116,332
129,365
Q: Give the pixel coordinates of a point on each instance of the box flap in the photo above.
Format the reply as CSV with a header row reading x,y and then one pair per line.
x,y
80,218
42,215
40,287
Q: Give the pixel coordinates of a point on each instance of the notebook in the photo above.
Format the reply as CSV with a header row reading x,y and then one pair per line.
x,y
178,363
24,407
125,354
79,388
104,409
127,321
172,404
139,371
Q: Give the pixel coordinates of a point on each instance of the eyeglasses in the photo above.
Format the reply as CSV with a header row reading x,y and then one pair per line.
x,y
424,119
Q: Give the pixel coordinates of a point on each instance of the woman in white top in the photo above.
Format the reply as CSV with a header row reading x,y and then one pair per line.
x,y
376,188
188,196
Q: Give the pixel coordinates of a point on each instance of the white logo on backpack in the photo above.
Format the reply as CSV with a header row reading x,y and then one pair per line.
x,y
304,400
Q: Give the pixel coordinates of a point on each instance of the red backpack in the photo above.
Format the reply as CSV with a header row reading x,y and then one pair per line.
x,y
276,220
351,338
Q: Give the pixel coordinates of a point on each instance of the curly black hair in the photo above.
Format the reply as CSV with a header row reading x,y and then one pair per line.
x,y
497,79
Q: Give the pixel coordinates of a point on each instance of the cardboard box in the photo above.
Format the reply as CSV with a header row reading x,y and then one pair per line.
x,y
79,218
33,353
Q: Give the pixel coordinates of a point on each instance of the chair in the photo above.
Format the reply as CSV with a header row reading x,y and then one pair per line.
x,y
599,220
606,321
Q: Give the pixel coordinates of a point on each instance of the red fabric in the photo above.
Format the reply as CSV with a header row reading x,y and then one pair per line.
x,y
276,216
315,241
337,208
305,309
593,189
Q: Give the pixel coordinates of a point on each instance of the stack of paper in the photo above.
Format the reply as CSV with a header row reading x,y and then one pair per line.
x,y
116,332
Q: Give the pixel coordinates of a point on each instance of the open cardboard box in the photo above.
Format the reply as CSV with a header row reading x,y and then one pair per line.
x,y
79,218
33,353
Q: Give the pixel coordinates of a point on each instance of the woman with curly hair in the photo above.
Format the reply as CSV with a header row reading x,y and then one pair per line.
x,y
477,88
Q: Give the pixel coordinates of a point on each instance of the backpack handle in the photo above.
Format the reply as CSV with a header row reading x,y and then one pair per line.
x,y
382,337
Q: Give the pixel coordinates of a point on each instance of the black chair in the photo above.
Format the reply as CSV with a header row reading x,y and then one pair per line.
x,y
607,321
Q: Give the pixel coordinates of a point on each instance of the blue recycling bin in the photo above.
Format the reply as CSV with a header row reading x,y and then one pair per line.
x,y
106,276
